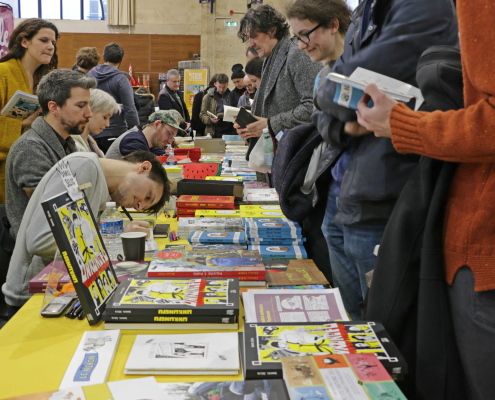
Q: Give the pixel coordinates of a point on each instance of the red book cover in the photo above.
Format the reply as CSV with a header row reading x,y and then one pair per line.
x,y
184,211
208,202
242,275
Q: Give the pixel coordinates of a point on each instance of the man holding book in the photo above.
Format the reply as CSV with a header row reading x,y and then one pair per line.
x,y
138,181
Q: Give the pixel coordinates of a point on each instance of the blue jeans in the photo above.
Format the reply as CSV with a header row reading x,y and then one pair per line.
x,y
351,255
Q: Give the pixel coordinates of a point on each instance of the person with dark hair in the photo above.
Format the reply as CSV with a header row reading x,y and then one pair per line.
x,y
86,59
251,53
238,79
213,103
171,98
284,99
138,180
32,54
114,82
146,105
160,131
197,125
254,68
64,97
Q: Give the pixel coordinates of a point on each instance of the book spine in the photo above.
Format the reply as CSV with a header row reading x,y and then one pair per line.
x,y
242,275
198,311
171,319
206,205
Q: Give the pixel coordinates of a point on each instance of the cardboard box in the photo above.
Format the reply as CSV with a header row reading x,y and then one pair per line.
x,y
210,145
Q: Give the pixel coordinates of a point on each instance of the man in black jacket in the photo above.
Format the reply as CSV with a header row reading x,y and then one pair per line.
x,y
387,37
171,98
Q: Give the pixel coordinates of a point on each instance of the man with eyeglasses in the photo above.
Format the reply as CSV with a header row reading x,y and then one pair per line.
x,y
160,131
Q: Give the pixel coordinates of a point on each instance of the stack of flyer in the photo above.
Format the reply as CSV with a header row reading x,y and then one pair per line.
x,y
338,376
262,197
189,225
174,303
174,172
246,265
187,204
189,354
199,237
261,211
275,238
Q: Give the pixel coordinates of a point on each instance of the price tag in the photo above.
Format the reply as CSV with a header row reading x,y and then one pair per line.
x,y
69,180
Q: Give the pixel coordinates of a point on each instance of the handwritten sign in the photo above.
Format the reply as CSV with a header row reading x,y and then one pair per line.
x,y
69,180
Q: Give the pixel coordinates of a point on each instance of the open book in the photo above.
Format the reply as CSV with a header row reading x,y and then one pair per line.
x,y
351,89
21,105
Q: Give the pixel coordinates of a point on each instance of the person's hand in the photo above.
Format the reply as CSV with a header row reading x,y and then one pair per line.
x,y
138,226
27,122
188,125
214,120
376,119
254,129
354,129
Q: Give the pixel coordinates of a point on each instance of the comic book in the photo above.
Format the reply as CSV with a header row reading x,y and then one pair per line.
x,y
274,252
339,376
218,213
206,202
185,354
227,263
81,246
175,297
203,248
266,343
202,237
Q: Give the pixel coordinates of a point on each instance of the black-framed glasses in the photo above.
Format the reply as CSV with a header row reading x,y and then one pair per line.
x,y
304,36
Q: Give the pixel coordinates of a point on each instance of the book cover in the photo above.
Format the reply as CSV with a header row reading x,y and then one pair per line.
x,y
211,224
299,272
315,306
165,320
202,237
227,178
203,248
201,353
218,213
122,325
351,376
205,202
175,297
251,185
92,360
279,252
262,213
21,105
266,343
79,241
273,389
272,224
275,241
260,208
213,264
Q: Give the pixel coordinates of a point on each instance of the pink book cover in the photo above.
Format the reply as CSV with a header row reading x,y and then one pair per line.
x,y
368,368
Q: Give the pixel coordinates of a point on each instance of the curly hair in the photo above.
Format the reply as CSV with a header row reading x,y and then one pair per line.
x,y
27,30
263,19
322,12
87,57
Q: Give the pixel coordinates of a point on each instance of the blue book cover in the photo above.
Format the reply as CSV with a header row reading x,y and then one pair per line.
x,y
280,252
273,236
200,237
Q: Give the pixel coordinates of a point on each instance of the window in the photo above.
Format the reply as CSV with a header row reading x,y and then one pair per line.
x,y
60,9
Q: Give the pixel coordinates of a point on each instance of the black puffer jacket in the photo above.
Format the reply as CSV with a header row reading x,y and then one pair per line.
x,y
147,103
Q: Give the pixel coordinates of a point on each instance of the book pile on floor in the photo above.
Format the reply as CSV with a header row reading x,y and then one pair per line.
x,y
182,263
174,303
187,205
275,238
189,225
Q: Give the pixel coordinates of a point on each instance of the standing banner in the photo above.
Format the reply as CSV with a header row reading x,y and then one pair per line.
x,y
6,28
195,81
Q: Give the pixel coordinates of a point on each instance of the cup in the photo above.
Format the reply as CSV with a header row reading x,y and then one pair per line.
x,y
134,245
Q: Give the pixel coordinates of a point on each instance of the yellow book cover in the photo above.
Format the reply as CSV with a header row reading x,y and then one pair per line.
x,y
262,214
218,213
260,208
224,178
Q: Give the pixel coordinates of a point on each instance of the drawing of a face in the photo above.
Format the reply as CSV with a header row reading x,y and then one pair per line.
x,y
292,303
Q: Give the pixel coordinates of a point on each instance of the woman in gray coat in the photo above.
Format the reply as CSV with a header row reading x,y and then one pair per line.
x,y
285,95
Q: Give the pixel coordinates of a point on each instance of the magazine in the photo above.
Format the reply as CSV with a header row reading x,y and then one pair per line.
x,y
21,105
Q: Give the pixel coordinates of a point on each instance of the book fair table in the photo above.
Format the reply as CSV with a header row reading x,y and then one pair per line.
x,y
35,351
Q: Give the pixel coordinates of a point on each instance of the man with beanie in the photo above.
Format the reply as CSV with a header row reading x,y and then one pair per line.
x,y
238,78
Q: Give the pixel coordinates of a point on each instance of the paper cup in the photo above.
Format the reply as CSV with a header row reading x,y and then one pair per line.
x,y
134,245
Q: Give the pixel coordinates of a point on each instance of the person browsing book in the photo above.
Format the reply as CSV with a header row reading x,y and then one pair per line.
x,y
138,181
160,131
32,54
64,97
103,106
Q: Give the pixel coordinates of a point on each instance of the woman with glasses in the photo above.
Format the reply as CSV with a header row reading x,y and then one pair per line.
x,y
284,99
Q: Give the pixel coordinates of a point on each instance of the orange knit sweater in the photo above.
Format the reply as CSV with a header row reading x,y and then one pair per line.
x,y
466,136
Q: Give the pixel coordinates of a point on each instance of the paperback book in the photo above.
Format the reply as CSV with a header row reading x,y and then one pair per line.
x,y
21,105
228,263
228,178
298,272
218,213
217,237
203,248
169,297
351,376
81,246
221,202
266,343
188,225
262,213
185,354
315,306
269,252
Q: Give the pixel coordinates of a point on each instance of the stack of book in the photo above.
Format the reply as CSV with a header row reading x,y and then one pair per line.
x,y
190,354
211,159
174,303
218,213
174,172
187,204
200,237
275,239
329,376
246,265
188,225
262,197
233,139
261,211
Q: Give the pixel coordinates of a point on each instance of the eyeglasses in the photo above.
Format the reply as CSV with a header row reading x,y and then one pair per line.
x,y
304,36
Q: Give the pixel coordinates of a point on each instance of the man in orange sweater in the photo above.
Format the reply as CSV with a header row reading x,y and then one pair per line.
x,y
464,136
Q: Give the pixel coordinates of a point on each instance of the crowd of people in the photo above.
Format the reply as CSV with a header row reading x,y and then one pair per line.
x,y
359,164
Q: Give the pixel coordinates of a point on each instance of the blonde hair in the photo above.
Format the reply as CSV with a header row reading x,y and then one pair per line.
x,y
102,101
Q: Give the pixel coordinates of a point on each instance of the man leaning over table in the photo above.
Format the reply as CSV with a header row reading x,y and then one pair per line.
x,y
138,180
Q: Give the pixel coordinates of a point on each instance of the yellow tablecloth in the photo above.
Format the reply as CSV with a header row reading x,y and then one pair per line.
x,y
36,351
